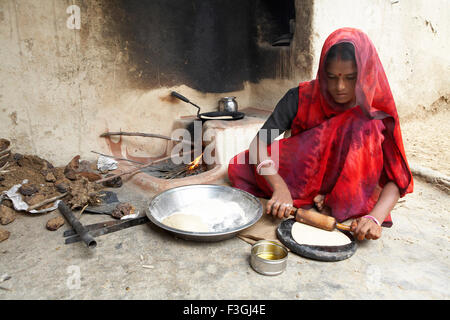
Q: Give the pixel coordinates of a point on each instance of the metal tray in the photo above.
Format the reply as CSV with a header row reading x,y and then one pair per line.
x,y
172,200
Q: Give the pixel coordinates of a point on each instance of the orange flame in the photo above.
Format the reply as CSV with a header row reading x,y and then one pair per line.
x,y
194,164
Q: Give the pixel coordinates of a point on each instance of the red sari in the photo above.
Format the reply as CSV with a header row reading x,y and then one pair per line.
x,y
347,155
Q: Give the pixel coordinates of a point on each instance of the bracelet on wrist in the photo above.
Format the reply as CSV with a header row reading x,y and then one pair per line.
x,y
373,219
263,163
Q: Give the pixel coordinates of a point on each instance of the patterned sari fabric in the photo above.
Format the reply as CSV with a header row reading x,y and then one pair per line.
x,y
346,155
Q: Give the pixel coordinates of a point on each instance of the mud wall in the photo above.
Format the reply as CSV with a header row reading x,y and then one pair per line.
x,y
411,38
61,85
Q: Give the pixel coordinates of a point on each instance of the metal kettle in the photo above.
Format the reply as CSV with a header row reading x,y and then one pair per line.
x,y
228,104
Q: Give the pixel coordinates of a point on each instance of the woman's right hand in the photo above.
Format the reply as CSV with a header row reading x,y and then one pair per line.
x,y
364,228
280,205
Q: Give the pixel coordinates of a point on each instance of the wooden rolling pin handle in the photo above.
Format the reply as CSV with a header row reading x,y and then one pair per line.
x,y
341,226
315,219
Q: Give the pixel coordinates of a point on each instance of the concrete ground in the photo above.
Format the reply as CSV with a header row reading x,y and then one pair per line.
x,y
410,261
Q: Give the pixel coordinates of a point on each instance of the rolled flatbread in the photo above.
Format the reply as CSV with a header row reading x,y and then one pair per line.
x,y
216,118
305,234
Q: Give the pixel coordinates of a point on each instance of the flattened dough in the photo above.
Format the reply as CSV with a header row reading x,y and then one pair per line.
x,y
186,222
217,118
305,234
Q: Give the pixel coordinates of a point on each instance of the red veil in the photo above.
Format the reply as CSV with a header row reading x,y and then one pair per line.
x,y
352,153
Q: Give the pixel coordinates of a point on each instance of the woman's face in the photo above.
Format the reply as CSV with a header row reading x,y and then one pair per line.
x,y
341,80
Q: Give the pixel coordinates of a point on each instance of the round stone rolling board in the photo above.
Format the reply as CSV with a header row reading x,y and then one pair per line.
x,y
321,253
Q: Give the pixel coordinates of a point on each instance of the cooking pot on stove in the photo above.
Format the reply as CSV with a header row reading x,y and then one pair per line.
x,y
228,104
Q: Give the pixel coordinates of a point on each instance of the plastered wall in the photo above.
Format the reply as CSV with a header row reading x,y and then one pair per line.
x,y
411,37
60,87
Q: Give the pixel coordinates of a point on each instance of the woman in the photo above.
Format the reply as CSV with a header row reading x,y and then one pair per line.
x,y
345,154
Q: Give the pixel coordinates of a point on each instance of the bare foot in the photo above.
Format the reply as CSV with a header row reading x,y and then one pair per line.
x,y
319,202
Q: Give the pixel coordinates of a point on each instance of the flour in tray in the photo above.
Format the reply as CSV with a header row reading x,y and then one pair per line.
x,y
217,214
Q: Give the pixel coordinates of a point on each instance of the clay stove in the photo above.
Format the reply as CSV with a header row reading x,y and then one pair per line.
x,y
224,138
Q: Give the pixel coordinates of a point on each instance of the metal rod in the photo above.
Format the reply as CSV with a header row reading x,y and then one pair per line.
x,y
87,238
110,227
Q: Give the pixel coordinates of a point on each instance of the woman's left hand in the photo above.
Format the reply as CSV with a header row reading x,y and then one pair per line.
x,y
364,228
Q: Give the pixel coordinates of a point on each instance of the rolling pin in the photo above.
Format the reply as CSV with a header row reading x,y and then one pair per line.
x,y
318,220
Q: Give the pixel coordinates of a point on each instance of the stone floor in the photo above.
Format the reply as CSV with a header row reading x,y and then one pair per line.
x,y
410,261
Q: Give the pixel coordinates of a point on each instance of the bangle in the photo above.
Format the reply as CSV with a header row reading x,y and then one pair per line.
x,y
373,219
268,161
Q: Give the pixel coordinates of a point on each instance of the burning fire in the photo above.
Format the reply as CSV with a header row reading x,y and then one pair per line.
x,y
194,164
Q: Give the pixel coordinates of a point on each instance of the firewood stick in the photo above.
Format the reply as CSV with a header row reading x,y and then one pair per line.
x,y
4,156
40,204
133,170
117,158
5,166
139,134
136,169
82,210
174,174
178,173
5,151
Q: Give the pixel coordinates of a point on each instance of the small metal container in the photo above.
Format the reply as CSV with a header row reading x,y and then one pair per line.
x,y
268,258
228,104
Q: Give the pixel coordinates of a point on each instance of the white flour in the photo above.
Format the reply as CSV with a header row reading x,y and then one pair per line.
x,y
218,215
